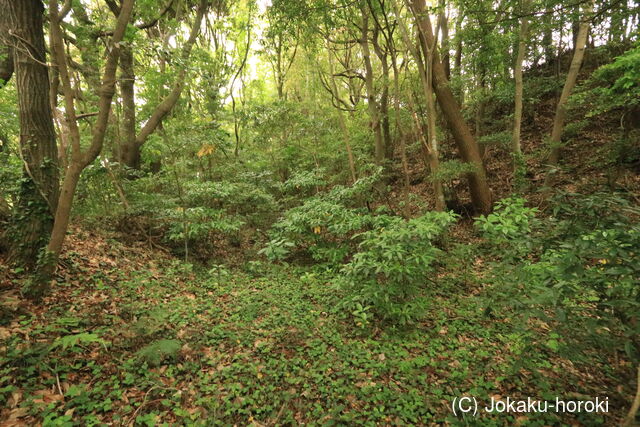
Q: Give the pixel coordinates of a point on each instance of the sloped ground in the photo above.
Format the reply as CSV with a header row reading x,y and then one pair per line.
x,y
584,160
130,336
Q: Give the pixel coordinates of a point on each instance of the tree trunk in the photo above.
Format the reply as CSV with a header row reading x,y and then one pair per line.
x,y
80,159
342,122
430,143
570,82
39,188
466,143
384,95
133,147
372,104
479,115
517,76
547,37
129,153
444,30
399,130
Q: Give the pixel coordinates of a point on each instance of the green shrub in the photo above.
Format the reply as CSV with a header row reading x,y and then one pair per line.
x,y
198,223
323,226
578,272
508,227
390,270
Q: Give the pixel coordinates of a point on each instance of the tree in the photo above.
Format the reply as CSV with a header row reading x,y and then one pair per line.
x,y
572,76
430,142
129,152
382,27
331,86
517,77
80,158
281,41
372,102
466,143
37,201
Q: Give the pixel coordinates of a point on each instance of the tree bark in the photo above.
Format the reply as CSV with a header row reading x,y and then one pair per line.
x,y
383,105
569,84
128,153
372,104
38,196
466,143
130,150
517,76
430,142
80,159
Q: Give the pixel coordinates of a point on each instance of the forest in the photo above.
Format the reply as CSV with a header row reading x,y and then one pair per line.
x,y
319,212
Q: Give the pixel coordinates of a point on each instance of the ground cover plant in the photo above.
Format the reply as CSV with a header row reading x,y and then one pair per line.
x,y
319,212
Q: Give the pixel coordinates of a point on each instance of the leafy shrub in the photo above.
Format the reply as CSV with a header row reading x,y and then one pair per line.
x,y
253,203
581,268
197,223
391,268
324,224
304,181
614,86
509,225
277,249
191,215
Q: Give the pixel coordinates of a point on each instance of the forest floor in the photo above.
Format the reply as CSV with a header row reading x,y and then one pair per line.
x,y
131,336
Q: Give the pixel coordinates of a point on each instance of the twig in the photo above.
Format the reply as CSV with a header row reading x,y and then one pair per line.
x,y
27,50
58,383
631,416
133,417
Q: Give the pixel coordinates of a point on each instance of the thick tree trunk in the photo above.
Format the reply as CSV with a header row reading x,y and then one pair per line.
x,y
80,158
37,201
570,82
466,143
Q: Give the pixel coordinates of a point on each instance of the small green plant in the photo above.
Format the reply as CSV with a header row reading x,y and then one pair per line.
x,y
509,226
277,249
77,341
390,270
361,314
159,352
